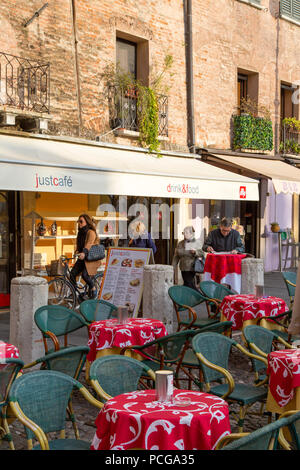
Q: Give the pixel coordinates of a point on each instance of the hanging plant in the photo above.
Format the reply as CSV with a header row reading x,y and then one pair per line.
x,y
146,100
148,118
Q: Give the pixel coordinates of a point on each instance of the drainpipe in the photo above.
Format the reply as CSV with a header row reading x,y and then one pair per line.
x,y
189,74
77,75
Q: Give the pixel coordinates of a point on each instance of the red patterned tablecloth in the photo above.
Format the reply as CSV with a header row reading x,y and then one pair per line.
x,y
8,351
224,269
108,333
240,308
284,374
136,420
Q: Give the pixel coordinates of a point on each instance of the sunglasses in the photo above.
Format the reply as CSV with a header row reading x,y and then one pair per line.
x,y
80,221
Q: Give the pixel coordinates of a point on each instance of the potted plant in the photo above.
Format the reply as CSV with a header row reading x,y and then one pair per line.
x,y
275,227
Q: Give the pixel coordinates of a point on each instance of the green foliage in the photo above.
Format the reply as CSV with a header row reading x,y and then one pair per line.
x,y
147,102
292,123
253,133
148,118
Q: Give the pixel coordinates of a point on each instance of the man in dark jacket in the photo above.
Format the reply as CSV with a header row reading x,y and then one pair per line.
x,y
224,238
141,238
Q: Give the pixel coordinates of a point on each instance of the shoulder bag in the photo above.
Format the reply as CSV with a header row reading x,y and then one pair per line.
x,y
96,252
199,265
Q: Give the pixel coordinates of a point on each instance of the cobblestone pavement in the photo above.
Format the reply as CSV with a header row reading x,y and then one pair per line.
x,y
86,414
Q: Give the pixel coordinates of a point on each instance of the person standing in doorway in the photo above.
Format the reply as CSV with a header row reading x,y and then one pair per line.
x,y
187,251
86,238
141,238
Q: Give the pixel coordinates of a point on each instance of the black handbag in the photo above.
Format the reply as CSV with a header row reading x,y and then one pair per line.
x,y
96,252
199,265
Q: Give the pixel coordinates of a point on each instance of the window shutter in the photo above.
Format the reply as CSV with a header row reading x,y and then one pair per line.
x,y
290,8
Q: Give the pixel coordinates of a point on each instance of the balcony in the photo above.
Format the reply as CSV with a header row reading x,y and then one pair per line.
x,y
290,137
24,84
123,111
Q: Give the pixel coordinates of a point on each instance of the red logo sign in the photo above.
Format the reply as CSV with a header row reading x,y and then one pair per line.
x,y
242,192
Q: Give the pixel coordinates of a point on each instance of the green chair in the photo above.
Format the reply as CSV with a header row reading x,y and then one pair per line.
x,y
215,291
116,374
55,321
282,320
174,352
290,279
269,437
184,299
213,351
39,401
9,369
261,341
69,361
95,310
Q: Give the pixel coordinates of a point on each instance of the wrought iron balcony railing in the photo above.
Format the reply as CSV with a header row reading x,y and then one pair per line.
x,y
123,110
24,84
290,140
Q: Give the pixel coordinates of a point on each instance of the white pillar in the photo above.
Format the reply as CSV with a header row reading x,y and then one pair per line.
x,y
156,301
28,293
252,274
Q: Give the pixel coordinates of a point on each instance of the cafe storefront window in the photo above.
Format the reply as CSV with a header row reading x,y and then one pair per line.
x,y
49,224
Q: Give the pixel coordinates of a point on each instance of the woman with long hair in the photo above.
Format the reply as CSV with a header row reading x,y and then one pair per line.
x,y
86,238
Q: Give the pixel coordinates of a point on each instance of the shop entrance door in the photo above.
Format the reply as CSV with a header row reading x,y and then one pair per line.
x,y
7,244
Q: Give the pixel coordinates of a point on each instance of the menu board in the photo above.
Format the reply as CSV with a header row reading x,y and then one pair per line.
x,y
123,278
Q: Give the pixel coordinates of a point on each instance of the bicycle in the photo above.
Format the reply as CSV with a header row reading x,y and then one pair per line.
x,y
61,291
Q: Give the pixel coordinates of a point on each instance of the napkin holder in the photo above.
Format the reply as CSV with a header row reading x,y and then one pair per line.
x,y
164,385
122,315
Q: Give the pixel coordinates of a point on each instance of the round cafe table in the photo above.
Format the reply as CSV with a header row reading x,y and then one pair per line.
x,y
109,337
224,268
136,420
284,381
245,310
8,351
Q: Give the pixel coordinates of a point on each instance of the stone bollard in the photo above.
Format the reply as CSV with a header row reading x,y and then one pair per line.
x,y
28,293
156,301
252,274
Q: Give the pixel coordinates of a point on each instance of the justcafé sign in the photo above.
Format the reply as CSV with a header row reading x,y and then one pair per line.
x,y
54,181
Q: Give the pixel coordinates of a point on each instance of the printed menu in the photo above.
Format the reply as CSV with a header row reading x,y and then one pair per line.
x,y
122,283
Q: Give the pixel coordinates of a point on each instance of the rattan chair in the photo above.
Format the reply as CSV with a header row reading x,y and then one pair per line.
x,y
69,361
185,299
215,291
55,321
116,374
9,369
39,400
213,351
95,310
290,279
282,320
174,352
269,437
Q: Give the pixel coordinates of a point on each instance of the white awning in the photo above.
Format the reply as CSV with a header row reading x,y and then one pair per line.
x,y
49,164
285,177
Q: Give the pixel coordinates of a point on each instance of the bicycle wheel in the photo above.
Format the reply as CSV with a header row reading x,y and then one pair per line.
x,y
61,292
97,282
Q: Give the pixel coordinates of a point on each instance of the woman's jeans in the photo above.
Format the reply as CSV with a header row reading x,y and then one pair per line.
x,y
79,267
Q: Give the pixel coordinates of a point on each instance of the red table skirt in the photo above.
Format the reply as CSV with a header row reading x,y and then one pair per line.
x,y
8,351
240,308
137,420
136,332
284,374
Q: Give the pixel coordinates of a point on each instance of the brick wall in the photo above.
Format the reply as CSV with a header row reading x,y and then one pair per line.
x,y
227,35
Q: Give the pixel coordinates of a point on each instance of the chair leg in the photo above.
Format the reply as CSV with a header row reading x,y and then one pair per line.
x,y
5,429
241,420
72,418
